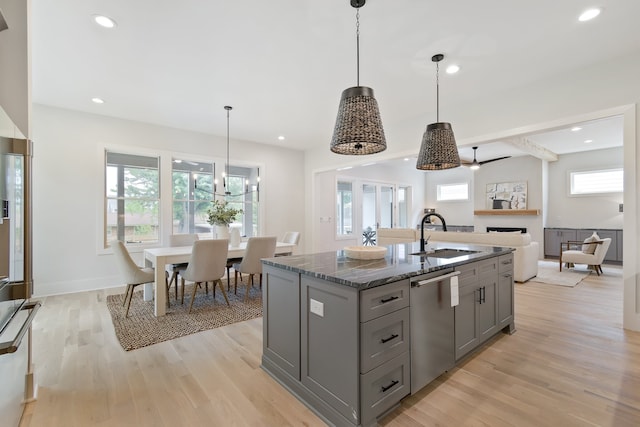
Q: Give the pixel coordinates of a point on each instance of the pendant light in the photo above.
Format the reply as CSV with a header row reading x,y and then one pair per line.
x,y
358,127
438,150
225,174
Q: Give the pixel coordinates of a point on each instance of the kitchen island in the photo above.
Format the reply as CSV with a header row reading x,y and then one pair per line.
x,y
349,337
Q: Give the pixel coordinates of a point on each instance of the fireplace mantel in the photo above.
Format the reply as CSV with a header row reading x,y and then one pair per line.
x,y
507,212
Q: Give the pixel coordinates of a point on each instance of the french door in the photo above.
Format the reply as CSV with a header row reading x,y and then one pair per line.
x,y
377,210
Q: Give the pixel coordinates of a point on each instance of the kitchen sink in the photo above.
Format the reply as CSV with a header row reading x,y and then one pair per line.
x,y
445,253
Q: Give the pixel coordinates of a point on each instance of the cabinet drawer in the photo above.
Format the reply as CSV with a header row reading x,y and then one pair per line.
x,y
468,274
383,387
376,302
488,267
383,338
505,263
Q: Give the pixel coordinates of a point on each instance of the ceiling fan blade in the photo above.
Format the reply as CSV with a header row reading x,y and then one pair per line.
x,y
494,160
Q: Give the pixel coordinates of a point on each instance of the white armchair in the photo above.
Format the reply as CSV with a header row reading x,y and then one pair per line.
x,y
591,253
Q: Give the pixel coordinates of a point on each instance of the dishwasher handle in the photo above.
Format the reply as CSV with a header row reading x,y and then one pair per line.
x,y
434,279
12,346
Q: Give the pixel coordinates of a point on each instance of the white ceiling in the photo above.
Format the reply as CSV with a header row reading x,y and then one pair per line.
x,y
282,64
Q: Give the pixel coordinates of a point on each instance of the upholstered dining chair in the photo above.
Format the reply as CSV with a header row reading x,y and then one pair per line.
x,y
207,264
130,273
591,252
291,237
174,241
257,248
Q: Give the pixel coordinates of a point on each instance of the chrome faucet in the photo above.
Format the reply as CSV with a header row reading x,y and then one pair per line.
x,y
424,220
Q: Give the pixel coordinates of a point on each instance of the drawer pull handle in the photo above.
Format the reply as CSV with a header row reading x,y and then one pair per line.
x,y
506,262
506,275
394,382
386,300
392,337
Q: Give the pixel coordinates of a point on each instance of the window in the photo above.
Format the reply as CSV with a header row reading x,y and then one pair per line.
x,y
243,184
596,182
192,184
344,214
448,192
403,206
132,197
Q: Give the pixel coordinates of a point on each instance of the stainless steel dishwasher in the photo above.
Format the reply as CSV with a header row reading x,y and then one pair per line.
x,y
432,300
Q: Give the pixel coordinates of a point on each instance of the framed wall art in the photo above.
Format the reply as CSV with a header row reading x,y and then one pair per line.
x,y
507,195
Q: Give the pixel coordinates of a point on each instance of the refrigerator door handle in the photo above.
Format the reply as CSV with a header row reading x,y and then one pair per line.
x,y
12,347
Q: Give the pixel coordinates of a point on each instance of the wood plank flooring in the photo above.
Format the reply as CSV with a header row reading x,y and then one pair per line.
x,y
570,363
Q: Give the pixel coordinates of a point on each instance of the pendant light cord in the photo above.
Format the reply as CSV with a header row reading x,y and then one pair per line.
x,y
358,46
438,92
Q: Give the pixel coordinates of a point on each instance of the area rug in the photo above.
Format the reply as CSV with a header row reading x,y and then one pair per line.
x,y
142,328
549,273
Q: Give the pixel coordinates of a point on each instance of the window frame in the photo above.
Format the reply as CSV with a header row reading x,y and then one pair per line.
x,y
451,184
193,168
343,236
121,199
572,173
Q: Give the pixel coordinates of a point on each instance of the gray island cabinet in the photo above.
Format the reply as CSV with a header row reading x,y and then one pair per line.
x,y
336,331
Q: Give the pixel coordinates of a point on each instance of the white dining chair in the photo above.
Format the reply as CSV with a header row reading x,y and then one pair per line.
x,y
207,264
257,248
130,273
291,237
176,240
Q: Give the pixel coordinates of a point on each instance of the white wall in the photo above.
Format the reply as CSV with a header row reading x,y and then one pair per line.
x,y
325,185
524,168
586,211
68,191
15,58
453,212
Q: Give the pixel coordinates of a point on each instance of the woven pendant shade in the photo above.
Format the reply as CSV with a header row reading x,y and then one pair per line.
x,y
438,150
358,127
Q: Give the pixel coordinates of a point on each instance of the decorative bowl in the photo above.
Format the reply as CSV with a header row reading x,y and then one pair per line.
x,y
365,252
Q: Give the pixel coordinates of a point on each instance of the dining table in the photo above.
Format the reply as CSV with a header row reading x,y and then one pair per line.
x,y
159,258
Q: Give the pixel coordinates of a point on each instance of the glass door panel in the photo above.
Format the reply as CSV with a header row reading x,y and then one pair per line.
x,y
369,214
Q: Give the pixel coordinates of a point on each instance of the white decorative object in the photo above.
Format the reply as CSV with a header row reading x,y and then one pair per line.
x,y
222,232
365,252
235,239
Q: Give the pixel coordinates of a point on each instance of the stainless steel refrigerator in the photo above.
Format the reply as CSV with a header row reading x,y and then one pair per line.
x,y
16,310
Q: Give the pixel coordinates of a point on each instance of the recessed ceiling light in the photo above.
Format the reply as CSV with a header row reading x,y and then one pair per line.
x,y
369,164
406,159
104,21
281,138
589,14
452,69
576,129
97,100
588,141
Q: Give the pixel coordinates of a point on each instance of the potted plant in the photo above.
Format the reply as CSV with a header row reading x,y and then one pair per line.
x,y
221,215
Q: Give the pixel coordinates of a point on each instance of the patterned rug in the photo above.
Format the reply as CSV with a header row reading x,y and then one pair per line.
x,y
549,273
142,328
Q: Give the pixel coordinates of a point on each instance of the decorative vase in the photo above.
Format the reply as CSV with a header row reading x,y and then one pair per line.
x,y
222,232
235,238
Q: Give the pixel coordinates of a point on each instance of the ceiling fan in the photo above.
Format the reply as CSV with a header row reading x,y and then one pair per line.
x,y
476,164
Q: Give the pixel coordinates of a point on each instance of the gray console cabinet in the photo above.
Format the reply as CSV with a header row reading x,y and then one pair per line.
x,y
554,236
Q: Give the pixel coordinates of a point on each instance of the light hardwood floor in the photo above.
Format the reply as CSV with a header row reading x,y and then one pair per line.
x,y
570,363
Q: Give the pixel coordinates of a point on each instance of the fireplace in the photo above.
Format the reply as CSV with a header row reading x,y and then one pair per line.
x,y
507,229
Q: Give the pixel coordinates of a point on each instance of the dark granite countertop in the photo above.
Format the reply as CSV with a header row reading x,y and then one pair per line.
x,y
397,265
